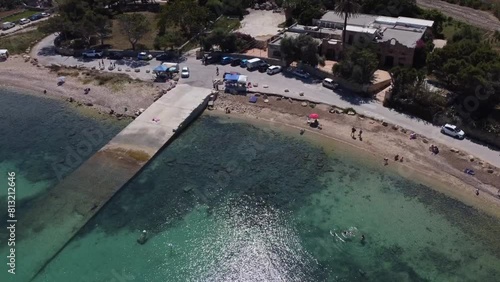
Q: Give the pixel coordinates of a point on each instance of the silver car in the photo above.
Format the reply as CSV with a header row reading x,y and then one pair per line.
x,y
185,72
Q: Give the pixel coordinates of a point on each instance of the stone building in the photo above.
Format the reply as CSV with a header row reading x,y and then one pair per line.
x,y
394,39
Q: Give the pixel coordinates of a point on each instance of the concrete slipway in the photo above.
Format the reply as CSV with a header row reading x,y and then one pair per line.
x,y
56,217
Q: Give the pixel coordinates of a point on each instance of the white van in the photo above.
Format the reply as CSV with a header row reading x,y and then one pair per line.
x,y
254,63
328,83
7,25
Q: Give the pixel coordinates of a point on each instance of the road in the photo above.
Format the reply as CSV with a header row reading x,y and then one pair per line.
x,y
202,76
471,16
19,27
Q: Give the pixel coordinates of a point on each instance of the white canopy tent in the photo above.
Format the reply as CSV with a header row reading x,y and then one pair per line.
x,y
243,79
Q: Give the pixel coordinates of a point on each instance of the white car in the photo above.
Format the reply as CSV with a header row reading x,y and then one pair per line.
x,y
185,72
329,83
45,14
453,131
24,21
273,70
144,56
92,54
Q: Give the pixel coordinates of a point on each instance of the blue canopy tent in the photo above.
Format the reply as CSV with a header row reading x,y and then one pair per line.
x,y
160,68
231,77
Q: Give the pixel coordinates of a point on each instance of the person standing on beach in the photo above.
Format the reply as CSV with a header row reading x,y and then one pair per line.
x,y
353,130
217,71
359,134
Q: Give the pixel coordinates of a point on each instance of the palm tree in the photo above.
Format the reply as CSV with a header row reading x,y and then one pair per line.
x,y
288,7
348,9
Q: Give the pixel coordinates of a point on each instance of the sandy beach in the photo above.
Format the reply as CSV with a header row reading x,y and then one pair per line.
x,y
120,97
444,171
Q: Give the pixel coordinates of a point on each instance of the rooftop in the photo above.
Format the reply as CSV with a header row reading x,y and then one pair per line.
x,y
314,29
404,37
367,20
359,19
277,41
361,29
413,21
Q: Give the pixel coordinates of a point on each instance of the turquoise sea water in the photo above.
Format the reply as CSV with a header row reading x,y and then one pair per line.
x,y
42,140
228,201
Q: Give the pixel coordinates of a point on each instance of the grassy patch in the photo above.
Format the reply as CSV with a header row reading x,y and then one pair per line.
x,y
118,40
18,43
4,14
14,18
226,24
68,72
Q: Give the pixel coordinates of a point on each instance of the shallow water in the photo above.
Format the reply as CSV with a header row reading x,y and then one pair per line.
x,y
39,133
231,202
42,140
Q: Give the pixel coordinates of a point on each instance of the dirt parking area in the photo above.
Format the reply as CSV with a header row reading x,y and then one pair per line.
x,y
473,17
260,23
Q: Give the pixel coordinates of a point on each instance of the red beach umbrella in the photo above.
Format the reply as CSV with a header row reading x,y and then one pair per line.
x,y
314,116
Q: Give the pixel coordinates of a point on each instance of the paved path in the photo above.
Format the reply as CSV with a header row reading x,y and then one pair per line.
x,y
478,18
55,218
19,27
202,76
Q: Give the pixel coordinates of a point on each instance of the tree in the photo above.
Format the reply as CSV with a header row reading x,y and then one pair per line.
x,y
288,7
134,26
289,50
103,27
438,18
185,14
358,65
391,8
302,48
347,9
169,40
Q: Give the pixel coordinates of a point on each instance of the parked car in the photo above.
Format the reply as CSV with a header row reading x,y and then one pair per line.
x,y
263,67
35,17
115,55
273,70
254,64
329,83
210,59
453,131
226,60
164,57
144,56
235,62
24,21
92,54
301,73
185,72
243,63
44,14
7,25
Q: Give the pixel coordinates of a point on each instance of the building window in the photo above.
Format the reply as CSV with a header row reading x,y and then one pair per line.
x,y
361,39
277,54
393,42
350,40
